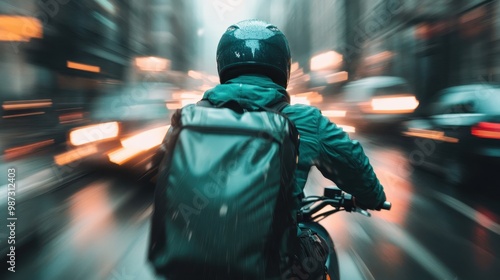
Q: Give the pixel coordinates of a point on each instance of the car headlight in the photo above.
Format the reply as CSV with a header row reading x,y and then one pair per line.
x,y
94,133
399,104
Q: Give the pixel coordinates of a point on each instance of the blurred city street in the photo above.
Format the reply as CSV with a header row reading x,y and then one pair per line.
x,y
88,89
97,227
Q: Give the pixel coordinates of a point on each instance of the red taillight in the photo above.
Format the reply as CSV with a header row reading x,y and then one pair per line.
x,y
486,130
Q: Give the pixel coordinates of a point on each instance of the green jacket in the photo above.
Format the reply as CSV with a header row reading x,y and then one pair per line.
x,y
322,143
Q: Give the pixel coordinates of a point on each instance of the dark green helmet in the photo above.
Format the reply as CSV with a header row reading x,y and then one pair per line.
x,y
254,47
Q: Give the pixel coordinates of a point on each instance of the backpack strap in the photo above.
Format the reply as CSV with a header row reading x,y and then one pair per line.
x,y
230,104
205,103
278,107
233,104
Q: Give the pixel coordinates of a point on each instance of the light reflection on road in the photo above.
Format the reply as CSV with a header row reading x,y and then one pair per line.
x,y
100,227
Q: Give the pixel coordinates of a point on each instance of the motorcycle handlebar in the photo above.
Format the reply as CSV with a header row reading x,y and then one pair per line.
x,y
348,200
336,198
387,205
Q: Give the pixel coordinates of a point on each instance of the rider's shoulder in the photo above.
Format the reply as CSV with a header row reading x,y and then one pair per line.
x,y
302,109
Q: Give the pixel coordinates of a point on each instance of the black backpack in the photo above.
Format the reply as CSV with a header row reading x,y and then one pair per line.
x,y
223,200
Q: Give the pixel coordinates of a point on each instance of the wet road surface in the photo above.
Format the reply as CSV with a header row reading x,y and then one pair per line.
x,y
97,227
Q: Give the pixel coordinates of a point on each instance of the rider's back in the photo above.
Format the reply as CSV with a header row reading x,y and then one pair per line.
x,y
322,143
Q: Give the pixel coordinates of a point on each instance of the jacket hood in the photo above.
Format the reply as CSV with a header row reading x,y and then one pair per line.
x,y
248,90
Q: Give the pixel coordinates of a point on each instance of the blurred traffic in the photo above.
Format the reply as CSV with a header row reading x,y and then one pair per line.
x,y
88,87
458,133
381,102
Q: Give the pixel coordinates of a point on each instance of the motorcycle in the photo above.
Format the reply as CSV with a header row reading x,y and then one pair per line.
x,y
309,216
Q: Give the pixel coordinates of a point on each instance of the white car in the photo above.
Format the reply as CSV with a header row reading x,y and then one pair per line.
x,y
125,128
376,101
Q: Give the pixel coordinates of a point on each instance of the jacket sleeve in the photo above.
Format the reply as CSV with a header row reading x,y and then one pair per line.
x,y
343,161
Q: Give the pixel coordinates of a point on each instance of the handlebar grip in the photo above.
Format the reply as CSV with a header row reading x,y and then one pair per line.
x,y
387,205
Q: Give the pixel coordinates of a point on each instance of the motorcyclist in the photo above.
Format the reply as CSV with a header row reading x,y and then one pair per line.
x,y
253,63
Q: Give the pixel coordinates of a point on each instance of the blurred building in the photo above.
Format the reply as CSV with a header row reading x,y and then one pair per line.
x,y
433,44
99,39
321,29
62,54
297,32
172,32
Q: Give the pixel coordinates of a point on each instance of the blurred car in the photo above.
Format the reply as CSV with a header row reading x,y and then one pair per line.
x,y
458,133
380,101
126,127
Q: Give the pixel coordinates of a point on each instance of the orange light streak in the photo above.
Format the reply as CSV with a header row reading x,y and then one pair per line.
x,y
26,149
75,154
23,115
83,67
138,143
430,134
19,28
26,104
